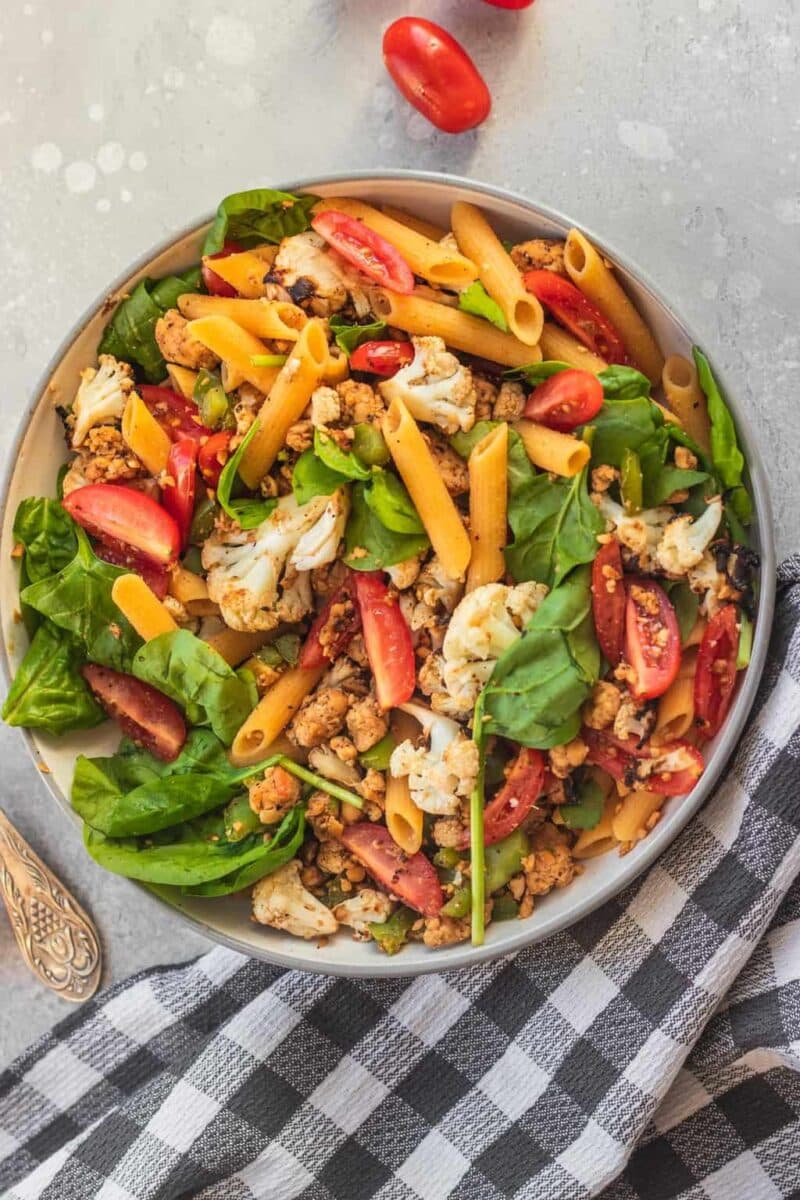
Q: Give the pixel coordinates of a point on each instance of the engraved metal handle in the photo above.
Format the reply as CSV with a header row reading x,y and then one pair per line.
x,y
57,939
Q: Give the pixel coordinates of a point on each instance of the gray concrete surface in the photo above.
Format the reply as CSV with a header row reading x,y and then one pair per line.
x,y
672,126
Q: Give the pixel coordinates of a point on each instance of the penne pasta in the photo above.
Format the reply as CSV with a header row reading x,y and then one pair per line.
x,y
296,380
459,329
550,450
488,508
432,500
236,347
144,436
141,606
245,271
558,345
235,645
497,272
685,398
192,592
182,379
403,819
592,843
437,263
266,319
588,270
676,707
337,368
633,817
272,714
696,633
231,377
434,233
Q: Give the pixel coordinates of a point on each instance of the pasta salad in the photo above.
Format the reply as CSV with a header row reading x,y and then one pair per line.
x,y
410,570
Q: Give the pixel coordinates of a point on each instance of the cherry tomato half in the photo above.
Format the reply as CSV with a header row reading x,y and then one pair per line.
x,y
565,400
652,639
178,492
435,74
509,807
212,456
341,620
674,768
141,711
156,577
410,877
366,250
608,600
715,675
382,358
571,309
215,285
387,640
108,510
509,3
177,417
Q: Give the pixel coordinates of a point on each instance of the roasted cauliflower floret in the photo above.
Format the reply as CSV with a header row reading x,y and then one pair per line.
x,y
685,539
325,406
404,574
259,577
540,254
602,706
178,345
564,759
550,864
445,931
450,466
435,387
274,795
101,397
105,457
320,717
366,723
360,403
510,401
315,278
639,535
280,900
442,770
369,907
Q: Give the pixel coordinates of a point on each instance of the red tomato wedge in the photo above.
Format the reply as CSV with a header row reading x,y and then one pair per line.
x,y
410,877
176,416
381,358
565,400
715,675
387,640
141,711
363,248
212,456
514,4
674,770
215,285
108,510
608,600
435,74
178,491
652,639
156,578
341,620
571,309
509,807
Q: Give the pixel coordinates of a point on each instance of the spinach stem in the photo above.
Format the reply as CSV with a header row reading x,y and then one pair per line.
x,y
477,847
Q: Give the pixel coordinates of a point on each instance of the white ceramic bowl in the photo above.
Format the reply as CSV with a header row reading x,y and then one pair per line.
x,y
32,469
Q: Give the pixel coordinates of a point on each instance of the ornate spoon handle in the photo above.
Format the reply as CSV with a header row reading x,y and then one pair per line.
x,y
57,939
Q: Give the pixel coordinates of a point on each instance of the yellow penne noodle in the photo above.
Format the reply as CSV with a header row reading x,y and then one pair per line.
x,y
434,233
685,398
192,592
676,707
235,645
432,500
459,329
245,272
497,272
559,346
272,714
593,842
236,347
426,257
696,633
488,508
337,368
144,435
403,819
629,822
668,414
141,606
267,319
182,379
588,270
552,451
231,377
296,380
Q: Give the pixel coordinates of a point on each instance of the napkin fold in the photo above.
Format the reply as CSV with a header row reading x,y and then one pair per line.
x,y
652,1050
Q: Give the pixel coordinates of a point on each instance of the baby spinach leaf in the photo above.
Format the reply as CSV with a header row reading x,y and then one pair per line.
x,y
389,501
283,649
311,478
623,424
198,679
727,457
130,334
477,301
555,524
278,850
369,545
686,604
661,478
78,599
47,532
536,373
587,810
258,215
623,383
248,512
349,337
48,691
344,462
539,684
183,855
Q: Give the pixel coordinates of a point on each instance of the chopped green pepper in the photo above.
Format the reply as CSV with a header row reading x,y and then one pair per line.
x,y
745,642
369,445
631,484
390,936
378,755
505,908
212,402
239,819
504,860
459,904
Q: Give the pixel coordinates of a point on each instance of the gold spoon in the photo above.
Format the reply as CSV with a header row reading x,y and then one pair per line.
x,y
57,939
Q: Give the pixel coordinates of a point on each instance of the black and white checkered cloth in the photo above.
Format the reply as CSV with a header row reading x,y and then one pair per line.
x,y
652,1051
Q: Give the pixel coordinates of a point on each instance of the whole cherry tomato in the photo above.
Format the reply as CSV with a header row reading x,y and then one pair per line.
x,y
215,284
141,711
435,74
565,400
366,250
382,358
571,309
608,600
109,511
652,639
715,676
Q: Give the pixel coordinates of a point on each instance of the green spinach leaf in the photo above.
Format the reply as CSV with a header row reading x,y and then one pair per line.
x,y
311,478
686,604
725,453
536,373
477,301
249,512
369,545
389,501
258,215
345,462
130,334
280,849
48,691
349,337
623,383
47,532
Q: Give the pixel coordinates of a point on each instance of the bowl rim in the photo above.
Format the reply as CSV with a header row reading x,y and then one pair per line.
x,y
647,852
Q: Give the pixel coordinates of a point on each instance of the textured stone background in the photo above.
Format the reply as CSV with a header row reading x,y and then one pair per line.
x,y
671,126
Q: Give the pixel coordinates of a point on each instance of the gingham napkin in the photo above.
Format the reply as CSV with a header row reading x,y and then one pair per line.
x,y
575,1066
